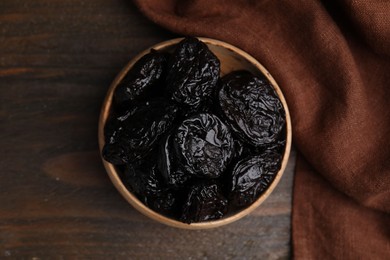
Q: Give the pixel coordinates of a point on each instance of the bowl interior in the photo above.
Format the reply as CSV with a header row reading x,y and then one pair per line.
x,y
231,59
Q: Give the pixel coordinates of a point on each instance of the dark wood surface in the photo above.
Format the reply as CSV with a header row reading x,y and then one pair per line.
x,y
57,59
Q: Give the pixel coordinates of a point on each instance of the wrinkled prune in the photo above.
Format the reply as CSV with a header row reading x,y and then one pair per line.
x,y
114,151
204,202
114,126
276,147
193,74
203,145
146,182
146,74
168,166
251,107
252,176
164,203
144,179
137,131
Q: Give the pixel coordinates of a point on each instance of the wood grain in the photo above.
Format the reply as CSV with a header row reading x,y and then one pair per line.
x,y
57,59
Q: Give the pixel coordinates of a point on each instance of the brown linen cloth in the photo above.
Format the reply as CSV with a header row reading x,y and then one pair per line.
x,y
332,61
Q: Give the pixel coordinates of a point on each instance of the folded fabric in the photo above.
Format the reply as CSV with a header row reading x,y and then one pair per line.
x,y
332,62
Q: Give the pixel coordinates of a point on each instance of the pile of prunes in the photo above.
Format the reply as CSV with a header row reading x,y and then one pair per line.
x,y
191,145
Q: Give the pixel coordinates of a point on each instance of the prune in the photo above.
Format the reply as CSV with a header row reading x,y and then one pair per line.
x,y
132,135
114,151
204,202
164,203
276,147
113,127
251,107
168,166
146,75
193,74
203,146
252,176
146,181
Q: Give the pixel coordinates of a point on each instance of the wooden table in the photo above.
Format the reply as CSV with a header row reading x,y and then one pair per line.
x,y
57,59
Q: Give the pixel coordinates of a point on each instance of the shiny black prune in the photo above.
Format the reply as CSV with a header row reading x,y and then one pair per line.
x,y
144,179
168,165
165,203
145,76
132,135
203,145
251,176
114,151
193,74
251,107
204,202
146,182
113,127
276,147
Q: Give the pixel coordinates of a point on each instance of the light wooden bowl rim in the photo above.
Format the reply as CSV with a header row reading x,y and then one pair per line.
x,y
132,199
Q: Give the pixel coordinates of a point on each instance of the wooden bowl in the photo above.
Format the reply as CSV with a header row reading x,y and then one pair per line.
x,y
231,59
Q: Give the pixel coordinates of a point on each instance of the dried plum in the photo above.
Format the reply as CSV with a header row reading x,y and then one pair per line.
x,y
137,131
203,145
165,203
144,179
146,74
276,147
146,182
114,125
193,74
168,166
114,151
204,202
252,176
251,107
